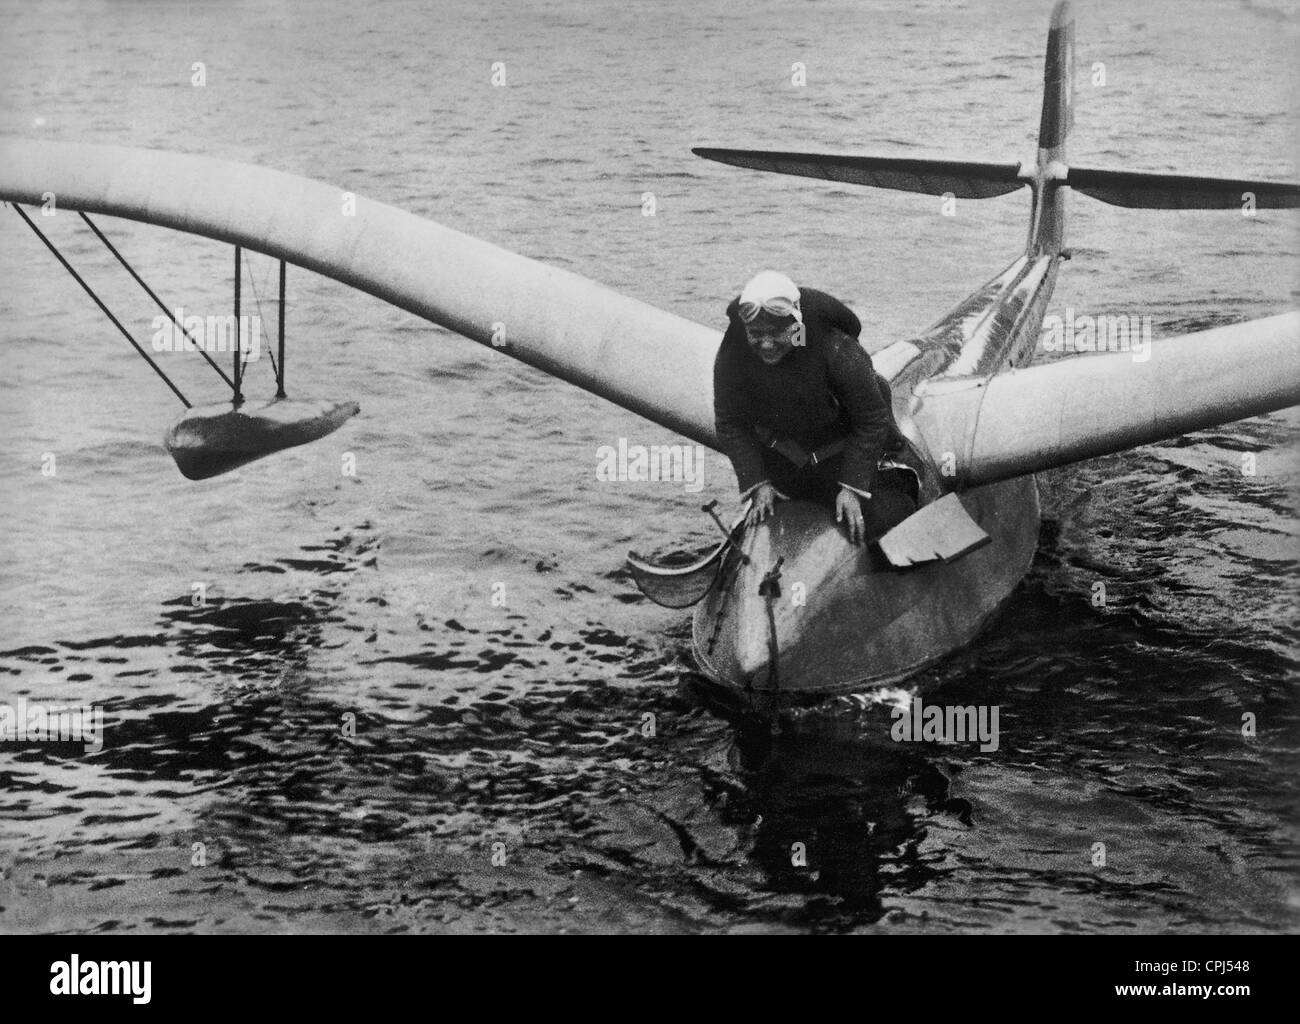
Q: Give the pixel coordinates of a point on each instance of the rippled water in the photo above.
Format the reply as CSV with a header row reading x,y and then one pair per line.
x,y
365,602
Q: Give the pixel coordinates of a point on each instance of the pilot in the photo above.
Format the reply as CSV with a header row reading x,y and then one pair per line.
x,y
799,409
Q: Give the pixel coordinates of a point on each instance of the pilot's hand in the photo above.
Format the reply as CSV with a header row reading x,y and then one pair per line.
x,y
848,510
761,503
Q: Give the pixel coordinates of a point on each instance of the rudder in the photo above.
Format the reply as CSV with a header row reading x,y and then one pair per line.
x,y
1053,131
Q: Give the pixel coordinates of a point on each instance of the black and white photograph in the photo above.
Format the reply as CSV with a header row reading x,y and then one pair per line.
x,y
579,467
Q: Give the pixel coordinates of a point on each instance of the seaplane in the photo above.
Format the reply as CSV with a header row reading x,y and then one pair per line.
x,y
787,611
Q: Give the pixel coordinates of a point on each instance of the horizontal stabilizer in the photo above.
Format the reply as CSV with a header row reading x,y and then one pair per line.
x,y
1140,190
942,530
964,179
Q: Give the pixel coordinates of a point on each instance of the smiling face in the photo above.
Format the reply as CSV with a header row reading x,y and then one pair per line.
x,y
770,338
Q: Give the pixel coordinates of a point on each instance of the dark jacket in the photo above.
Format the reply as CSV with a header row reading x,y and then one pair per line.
x,y
822,390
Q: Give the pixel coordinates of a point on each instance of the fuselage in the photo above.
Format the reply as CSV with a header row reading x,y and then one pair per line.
x,y
799,612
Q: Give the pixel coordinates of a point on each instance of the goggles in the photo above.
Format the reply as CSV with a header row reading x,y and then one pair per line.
x,y
778,306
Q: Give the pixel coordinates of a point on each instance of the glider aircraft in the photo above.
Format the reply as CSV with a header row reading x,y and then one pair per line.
x,y
979,417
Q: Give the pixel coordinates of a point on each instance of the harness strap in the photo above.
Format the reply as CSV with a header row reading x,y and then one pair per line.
x,y
795,452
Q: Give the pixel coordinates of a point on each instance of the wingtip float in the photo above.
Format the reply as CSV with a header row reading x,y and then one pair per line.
x,y
214,439
211,440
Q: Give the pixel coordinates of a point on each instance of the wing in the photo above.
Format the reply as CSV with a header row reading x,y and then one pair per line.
x,y
645,359
1083,406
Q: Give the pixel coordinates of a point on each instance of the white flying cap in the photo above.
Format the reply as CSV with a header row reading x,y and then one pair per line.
x,y
772,292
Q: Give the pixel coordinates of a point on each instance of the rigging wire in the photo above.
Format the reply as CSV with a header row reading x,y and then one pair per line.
x,y
277,367
257,298
103,308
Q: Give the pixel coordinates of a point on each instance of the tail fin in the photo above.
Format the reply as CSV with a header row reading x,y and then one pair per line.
x,y
1048,226
1058,86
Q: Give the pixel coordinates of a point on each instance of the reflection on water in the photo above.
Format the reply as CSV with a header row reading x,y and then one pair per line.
x,y
248,784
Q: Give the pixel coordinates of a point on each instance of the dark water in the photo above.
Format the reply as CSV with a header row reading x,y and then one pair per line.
x,y
366,601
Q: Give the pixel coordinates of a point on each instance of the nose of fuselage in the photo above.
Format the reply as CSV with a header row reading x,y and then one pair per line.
x,y
772,623
840,619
